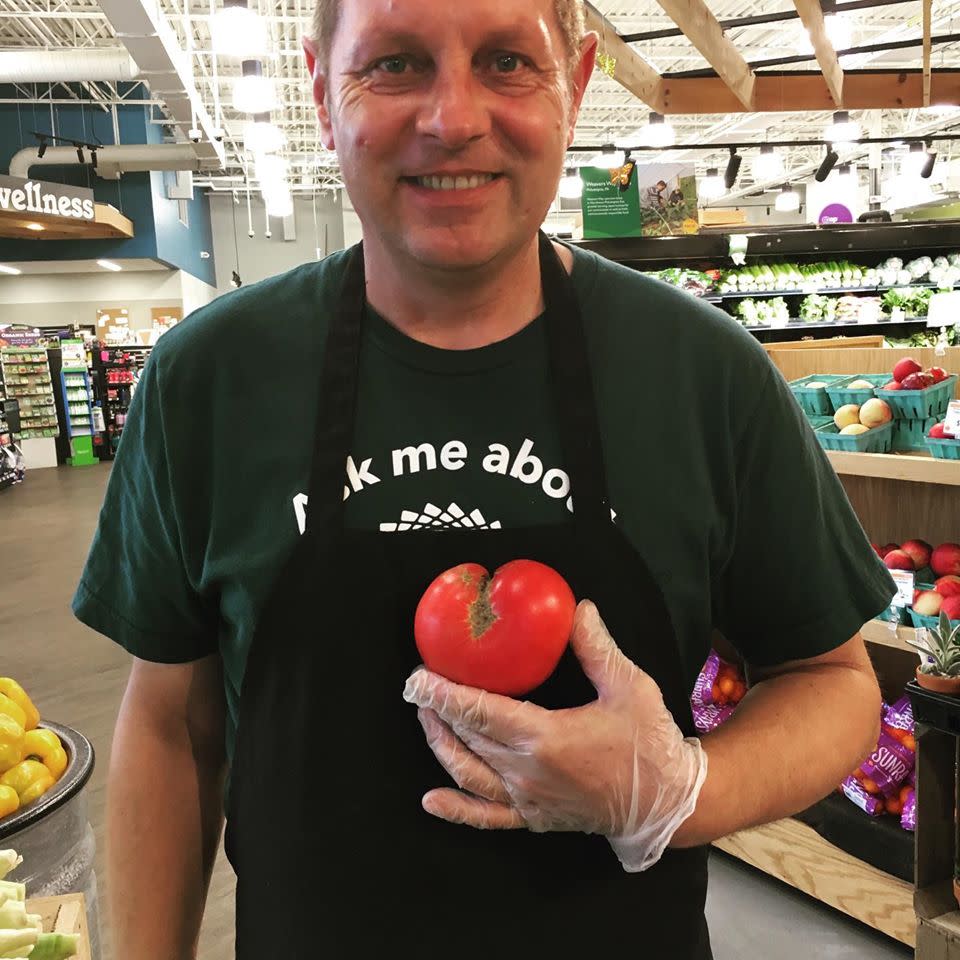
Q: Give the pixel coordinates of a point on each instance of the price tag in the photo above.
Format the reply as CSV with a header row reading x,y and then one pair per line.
x,y
944,310
952,421
904,580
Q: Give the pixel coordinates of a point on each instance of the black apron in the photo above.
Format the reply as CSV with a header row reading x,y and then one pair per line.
x,y
334,855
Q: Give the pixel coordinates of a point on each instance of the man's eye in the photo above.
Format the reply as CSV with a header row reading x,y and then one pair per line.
x,y
507,63
394,65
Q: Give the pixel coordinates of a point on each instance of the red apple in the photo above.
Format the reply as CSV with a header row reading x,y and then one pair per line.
x,y
892,385
945,560
919,551
948,586
937,431
917,381
887,548
898,560
928,604
951,607
904,368
938,374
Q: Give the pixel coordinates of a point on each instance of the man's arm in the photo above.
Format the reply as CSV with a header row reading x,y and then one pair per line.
x,y
801,729
165,803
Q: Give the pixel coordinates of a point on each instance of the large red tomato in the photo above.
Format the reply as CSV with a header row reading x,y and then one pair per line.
x,y
504,634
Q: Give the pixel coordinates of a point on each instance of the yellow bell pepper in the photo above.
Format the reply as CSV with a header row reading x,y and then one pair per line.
x,y
24,778
18,695
45,746
11,743
9,801
13,710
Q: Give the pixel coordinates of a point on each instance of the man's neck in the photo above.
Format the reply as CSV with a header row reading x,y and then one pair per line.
x,y
457,310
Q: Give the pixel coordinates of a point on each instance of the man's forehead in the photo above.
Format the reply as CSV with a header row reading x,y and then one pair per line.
x,y
426,20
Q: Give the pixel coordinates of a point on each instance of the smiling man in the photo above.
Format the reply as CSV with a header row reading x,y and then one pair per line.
x,y
461,389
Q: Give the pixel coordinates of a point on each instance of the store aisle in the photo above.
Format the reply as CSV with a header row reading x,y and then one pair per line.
x,y
45,529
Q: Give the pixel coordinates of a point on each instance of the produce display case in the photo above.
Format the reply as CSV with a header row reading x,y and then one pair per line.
x,y
852,267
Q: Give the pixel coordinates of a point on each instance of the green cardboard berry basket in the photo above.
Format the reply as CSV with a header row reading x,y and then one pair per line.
x,y
877,440
928,622
921,404
816,422
815,403
944,449
840,394
894,615
912,434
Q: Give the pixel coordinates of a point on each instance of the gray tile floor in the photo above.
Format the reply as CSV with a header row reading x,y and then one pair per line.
x,y
78,678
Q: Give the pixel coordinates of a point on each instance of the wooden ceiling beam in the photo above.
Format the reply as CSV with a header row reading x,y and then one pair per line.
x,y
629,69
703,30
927,48
862,90
811,13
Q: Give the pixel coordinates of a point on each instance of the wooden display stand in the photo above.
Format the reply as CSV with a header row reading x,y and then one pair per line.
x,y
897,497
66,914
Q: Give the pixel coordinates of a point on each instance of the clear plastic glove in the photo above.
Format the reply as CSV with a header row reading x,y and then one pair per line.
x,y
619,766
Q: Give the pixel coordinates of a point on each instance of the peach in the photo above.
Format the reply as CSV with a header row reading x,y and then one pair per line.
x,y
919,551
951,607
875,412
854,429
945,560
928,604
847,414
948,586
898,560
859,385
887,547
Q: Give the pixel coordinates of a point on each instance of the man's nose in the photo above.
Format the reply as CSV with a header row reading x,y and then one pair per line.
x,y
455,110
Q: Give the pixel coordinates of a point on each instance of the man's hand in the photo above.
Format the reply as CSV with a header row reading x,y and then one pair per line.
x,y
619,766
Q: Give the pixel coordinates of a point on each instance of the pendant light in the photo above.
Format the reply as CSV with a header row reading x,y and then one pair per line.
x,y
788,200
658,132
843,131
768,165
829,162
571,186
711,186
252,91
261,136
237,31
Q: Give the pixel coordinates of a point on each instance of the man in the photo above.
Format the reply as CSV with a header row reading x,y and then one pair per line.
x,y
304,456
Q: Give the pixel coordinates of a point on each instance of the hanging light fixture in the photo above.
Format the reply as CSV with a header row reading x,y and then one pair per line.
x,y
843,131
658,132
733,169
278,200
271,170
235,280
238,31
711,186
788,200
252,91
260,135
839,31
609,157
847,173
829,162
928,166
915,162
768,165
571,186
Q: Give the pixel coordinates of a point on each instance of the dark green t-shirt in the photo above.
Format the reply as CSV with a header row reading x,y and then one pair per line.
x,y
714,474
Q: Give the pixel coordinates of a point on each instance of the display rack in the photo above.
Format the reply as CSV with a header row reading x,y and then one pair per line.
x,y
26,376
78,411
117,370
896,497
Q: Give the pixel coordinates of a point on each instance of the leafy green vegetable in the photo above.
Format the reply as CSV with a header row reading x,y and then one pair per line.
x,y
55,946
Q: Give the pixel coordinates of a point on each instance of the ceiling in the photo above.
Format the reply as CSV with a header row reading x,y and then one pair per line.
x,y
610,112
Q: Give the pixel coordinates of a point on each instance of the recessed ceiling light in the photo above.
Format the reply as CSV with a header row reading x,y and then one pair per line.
x,y
109,265
36,226
11,270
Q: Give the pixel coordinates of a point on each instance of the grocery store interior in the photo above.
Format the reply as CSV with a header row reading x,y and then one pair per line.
x,y
795,163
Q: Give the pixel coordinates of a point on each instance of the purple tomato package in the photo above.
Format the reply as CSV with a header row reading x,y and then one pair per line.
x,y
894,757
854,792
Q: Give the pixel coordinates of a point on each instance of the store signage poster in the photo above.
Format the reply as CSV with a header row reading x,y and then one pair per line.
x,y
18,338
609,211
50,199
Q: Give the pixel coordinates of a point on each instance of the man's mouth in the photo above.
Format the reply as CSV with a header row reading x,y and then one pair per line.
x,y
443,182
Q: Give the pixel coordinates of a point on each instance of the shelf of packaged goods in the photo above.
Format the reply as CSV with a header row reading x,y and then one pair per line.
x,y
915,467
880,632
796,854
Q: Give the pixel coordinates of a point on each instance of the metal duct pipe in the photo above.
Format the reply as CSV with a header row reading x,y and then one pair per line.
x,y
112,160
66,66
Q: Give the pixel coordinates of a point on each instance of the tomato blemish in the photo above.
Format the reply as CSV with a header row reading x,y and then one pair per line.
x,y
482,616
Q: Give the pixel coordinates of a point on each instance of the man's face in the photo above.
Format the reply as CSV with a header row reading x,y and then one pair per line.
x,y
450,121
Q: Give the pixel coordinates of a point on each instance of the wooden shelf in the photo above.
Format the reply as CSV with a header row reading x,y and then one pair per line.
x,y
877,631
796,854
914,467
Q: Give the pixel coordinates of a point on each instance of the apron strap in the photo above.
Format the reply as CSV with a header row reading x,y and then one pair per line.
x,y
573,392
337,405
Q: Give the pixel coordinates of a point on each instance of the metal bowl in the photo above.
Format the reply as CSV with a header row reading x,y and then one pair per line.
x,y
79,770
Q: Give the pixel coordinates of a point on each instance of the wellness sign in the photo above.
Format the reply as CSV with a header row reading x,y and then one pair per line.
x,y
50,199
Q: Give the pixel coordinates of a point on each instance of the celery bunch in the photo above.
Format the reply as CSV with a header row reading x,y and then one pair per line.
x,y
21,933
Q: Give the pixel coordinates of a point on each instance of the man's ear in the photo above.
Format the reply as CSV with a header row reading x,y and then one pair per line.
x,y
320,92
581,76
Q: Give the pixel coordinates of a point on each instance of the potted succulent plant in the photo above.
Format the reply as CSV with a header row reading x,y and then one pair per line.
x,y
941,673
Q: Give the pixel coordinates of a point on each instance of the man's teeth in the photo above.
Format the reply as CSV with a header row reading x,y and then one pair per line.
x,y
455,183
